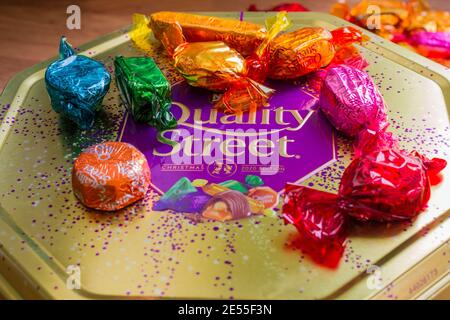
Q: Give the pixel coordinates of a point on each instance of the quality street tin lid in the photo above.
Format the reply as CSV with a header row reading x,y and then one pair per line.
x,y
53,247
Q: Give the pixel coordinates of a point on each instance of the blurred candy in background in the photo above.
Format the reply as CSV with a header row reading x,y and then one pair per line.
x,y
410,23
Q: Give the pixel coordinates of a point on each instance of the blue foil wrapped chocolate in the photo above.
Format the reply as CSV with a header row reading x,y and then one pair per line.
x,y
76,85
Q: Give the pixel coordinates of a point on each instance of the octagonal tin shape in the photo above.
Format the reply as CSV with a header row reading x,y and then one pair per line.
x,y
48,240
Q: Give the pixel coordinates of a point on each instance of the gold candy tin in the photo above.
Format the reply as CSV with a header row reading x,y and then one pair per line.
x,y
52,247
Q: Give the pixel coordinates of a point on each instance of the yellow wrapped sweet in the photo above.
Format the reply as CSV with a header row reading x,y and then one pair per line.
x,y
211,65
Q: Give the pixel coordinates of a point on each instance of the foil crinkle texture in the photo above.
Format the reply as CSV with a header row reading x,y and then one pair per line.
x,y
110,176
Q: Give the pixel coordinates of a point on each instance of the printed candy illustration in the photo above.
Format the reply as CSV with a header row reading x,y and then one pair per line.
x,y
228,200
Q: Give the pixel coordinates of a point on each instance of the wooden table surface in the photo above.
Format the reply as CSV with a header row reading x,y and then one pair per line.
x,y
30,29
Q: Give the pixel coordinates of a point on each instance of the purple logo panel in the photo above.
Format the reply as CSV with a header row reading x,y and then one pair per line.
x,y
284,142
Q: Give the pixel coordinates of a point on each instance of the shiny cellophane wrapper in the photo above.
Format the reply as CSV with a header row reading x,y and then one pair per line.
x,y
137,253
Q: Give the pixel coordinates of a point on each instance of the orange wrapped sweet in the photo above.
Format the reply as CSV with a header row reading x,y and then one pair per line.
x,y
215,66
244,37
110,176
308,49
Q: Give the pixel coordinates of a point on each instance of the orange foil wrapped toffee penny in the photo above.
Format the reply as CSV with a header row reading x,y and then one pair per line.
x,y
110,176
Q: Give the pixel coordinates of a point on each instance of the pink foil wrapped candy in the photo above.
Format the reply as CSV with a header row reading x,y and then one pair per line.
x,y
351,101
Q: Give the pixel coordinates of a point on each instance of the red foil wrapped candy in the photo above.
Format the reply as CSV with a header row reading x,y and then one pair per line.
x,y
320,224
386,184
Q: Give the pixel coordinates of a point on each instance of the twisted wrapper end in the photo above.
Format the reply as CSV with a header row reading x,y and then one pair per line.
x,y
65,49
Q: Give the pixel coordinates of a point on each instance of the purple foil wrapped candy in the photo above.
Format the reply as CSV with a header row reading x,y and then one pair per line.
x,y
351,101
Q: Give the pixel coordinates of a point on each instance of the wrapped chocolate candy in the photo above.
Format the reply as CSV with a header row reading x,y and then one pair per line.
x,y
145,91
306,50
321,226
76,85
215,66
385,185
244,37
351,101
110,176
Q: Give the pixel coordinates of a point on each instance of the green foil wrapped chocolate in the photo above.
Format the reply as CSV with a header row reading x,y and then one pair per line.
x,y
145,91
